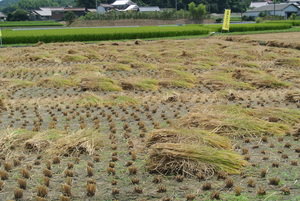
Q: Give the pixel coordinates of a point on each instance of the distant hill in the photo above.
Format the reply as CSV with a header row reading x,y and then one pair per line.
x,y
5,3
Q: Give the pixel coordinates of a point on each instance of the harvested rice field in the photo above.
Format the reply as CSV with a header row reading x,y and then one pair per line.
x,y
200,119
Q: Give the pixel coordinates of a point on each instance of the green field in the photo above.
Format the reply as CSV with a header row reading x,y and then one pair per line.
x,y
29,23
101,34
292,22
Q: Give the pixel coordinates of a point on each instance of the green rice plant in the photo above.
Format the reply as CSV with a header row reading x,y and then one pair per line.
x,y
121,33
250,27
98,34
29,23
292,22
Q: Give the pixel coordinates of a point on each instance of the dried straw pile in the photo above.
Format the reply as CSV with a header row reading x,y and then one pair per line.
x,y
235,121
87,141
190,152
293,97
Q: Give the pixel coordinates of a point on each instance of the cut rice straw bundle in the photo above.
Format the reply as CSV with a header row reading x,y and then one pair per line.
x,y
188,136
173,158
82,141
232,121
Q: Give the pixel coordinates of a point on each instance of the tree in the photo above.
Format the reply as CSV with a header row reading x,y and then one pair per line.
x,y
70,17
86,3
240,6
18,15
197,12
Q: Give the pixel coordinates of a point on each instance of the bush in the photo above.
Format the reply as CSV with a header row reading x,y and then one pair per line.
x,y
293,16
248,18
219,20
18,15
197,12
258,20
70,17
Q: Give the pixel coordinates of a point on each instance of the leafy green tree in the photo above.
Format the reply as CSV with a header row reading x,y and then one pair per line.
x,y
18,15
70,17
86,3
240,6
197,12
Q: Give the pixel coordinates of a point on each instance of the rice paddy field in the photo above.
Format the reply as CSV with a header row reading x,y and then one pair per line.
x,y
197,119
13,36
29,23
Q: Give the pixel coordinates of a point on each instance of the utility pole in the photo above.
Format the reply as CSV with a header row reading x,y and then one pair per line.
x,y
176,5
274,8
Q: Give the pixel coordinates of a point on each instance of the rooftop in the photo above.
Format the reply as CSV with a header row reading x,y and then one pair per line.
x,y
270,7
149,9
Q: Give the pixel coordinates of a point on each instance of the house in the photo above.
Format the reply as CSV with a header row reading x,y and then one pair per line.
x,y
258,4
149,9
58,13
284,10
42,14
2,16
102,8
123,4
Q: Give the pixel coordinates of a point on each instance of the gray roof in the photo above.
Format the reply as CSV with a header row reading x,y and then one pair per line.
x,y
270,7
258,4
149,9
2,14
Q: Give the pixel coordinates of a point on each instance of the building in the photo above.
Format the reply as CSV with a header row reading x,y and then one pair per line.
x,y
58,13
123,4
2,16
102,8
258,4
149,9
284,10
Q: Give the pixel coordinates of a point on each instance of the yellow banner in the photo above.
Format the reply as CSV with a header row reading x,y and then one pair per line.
x,y
0,33
226,20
